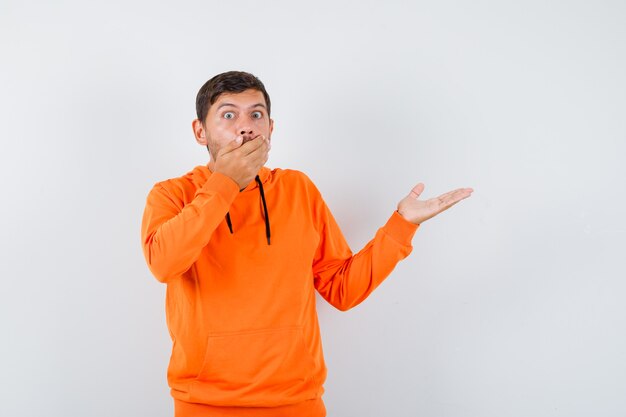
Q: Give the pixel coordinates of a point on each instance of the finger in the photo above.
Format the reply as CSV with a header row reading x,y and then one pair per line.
x,y
231,146
253,145
453,197
456,192
417,190
446,207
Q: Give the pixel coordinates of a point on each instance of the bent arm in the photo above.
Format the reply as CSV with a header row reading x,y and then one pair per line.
x,y
173,233
345,280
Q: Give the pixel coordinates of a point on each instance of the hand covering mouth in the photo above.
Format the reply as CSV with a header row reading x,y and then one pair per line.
x,y
248,138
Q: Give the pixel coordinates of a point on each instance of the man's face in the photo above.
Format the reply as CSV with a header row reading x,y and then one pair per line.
x,y
234,114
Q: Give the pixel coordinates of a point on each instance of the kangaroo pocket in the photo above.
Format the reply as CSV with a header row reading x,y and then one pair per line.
x,y
245,366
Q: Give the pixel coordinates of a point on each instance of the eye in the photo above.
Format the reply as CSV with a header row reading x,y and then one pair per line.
x,y
257,115
229,115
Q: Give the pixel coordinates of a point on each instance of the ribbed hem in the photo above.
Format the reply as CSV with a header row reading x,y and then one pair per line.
x,y
310,408
400,229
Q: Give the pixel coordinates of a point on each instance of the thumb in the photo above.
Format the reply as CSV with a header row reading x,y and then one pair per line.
x,y
417,190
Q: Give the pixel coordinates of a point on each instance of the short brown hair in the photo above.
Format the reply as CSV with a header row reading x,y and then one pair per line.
x,y
227,82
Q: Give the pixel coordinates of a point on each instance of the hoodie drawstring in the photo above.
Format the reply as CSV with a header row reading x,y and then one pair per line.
x,y
266,214
229,223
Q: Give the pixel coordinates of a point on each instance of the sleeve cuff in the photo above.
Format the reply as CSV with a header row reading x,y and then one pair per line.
x,y
400,229
222,185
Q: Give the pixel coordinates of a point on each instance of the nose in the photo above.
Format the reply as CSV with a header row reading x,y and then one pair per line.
x,y
245,127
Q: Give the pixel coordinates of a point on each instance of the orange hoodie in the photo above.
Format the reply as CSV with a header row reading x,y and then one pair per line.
x,y
241,312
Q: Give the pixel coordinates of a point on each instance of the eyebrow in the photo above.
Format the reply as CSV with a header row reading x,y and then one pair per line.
x,y
251,107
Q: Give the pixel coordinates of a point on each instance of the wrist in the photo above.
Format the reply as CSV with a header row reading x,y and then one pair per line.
x,y
408,218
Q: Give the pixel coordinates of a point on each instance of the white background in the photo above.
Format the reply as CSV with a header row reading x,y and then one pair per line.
x,y
512,302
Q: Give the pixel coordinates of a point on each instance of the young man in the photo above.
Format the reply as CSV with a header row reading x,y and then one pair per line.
x,y
243,249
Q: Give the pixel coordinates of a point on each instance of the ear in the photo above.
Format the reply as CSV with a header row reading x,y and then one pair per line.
x,y
199,132
271,126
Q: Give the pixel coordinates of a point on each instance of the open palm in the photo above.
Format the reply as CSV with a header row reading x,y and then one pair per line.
x,y
418,211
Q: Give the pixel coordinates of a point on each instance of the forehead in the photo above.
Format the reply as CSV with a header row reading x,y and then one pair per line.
x,y
244,99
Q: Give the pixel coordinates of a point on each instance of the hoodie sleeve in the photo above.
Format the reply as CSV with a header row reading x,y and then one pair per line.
x,y
344,279
173,233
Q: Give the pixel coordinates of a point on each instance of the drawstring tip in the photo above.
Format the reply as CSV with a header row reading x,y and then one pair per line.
x,y
229,222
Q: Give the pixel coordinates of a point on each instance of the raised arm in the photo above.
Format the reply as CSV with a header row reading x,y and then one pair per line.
x,y
173,234
345,280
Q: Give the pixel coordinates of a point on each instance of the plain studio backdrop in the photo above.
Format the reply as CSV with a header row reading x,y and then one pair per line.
x,y
512,302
